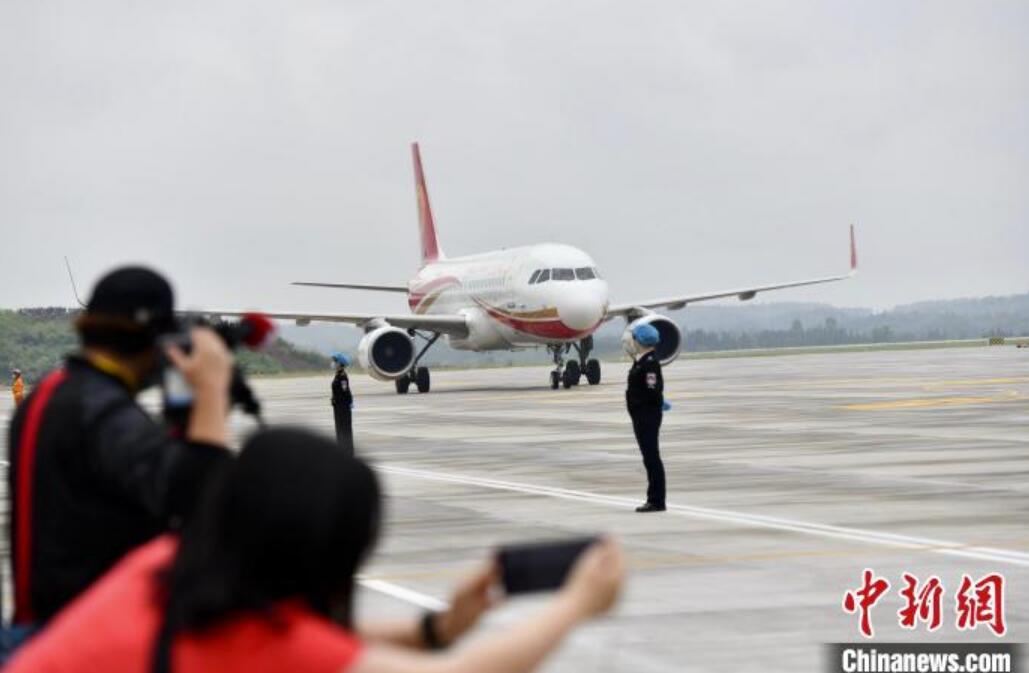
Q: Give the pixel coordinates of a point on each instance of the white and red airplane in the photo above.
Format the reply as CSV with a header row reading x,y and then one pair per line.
x,y
549,295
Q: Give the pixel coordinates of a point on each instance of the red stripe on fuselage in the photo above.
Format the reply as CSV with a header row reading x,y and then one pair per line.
x,y
546,329
419,294
434,283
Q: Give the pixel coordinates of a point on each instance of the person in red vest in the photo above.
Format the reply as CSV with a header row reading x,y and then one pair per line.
x,y
264,581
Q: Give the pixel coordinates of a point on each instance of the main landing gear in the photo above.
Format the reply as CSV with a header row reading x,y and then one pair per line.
x,y
582,364
419,376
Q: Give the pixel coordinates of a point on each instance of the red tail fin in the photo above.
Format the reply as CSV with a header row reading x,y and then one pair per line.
x,y
426,226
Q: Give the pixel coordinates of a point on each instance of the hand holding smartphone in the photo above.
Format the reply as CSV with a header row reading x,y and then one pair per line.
x,y
539,566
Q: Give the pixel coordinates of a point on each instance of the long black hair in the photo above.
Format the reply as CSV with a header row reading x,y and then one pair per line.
x,y
292,518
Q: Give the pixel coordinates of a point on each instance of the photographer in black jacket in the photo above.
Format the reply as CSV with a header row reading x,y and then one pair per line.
x,y
91,474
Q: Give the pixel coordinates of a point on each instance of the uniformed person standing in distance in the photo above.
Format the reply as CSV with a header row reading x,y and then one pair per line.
x,y
343,403
644,397
17,386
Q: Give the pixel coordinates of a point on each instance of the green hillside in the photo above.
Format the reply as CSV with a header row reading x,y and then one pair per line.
x,y
35,340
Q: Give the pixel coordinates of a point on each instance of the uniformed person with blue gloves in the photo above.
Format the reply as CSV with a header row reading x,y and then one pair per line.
x,y
343,403
644,397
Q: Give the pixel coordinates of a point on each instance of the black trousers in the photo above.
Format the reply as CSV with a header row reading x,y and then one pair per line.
x,y
344,427
646,425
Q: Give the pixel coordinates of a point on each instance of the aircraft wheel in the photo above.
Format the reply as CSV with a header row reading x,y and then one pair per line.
x,y
567,380
403,383
593,372
573,372
421,379
555,380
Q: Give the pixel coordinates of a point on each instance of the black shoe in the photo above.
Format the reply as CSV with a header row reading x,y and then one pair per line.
x,y
650,507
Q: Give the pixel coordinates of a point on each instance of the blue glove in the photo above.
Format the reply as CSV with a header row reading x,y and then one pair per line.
x,y
665,406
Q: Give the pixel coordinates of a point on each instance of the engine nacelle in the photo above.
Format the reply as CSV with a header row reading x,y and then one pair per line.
x,y
386,353
483,333
671,337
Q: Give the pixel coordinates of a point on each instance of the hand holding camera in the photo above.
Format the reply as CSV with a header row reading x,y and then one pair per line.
x,y
207,368
197,387
202,367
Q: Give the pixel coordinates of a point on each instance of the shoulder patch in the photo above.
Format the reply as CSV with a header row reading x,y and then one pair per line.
x,y
651,379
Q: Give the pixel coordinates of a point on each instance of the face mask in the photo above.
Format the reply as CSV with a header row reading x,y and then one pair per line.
x,y
631,347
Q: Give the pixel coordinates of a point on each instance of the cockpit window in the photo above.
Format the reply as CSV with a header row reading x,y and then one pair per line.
x,y
585,273
535,276
544,276
563,274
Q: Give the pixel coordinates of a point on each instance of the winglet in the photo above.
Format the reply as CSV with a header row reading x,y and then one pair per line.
x,y
426,225
853,252
74,289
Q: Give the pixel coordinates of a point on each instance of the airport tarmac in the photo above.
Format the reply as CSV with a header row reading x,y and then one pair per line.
x,y
787,477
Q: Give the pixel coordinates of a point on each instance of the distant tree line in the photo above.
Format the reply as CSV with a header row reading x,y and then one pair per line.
x,y
827,334
741,327
36,340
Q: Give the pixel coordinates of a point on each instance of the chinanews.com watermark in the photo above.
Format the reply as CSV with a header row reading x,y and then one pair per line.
x,y
924,658
977,604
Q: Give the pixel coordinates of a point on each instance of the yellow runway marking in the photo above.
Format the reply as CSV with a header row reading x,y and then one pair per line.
x,y
931,402
897,380
975,382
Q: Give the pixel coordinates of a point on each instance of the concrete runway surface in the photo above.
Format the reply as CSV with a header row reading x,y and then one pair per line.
x,y
787,477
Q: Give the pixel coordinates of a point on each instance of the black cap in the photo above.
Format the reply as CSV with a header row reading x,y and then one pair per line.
x,y
130,308
138,294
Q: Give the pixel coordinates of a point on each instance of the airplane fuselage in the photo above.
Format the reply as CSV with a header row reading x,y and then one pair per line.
x,y
516,298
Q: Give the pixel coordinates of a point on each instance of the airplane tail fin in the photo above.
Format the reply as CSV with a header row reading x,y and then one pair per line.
x,y
426,226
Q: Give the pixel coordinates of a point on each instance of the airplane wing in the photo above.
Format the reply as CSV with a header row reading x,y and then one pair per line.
x,y
357,286
744,293
453,325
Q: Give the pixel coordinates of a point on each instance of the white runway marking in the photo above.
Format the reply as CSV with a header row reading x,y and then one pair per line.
x,y
755,520
404,594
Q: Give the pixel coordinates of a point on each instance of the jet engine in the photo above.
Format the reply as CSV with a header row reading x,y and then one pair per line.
x,y
482,332
671,337
386,353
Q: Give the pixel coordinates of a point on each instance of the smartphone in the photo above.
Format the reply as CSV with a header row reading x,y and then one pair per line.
x,y
539,566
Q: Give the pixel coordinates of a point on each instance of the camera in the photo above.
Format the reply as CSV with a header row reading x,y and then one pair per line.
x,y
252,330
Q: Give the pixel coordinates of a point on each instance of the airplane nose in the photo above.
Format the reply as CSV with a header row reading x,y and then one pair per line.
x,y
581,311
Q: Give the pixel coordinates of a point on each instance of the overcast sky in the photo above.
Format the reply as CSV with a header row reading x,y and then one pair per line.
x,y
687,146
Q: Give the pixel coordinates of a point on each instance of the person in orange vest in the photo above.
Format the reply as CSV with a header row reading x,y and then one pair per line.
x,y
17,386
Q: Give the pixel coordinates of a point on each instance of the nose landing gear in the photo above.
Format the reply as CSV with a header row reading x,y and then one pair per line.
x,y
571,374
557,376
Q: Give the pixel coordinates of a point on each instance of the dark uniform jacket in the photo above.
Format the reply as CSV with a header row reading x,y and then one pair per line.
x,y
645,391
104,479
341,395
